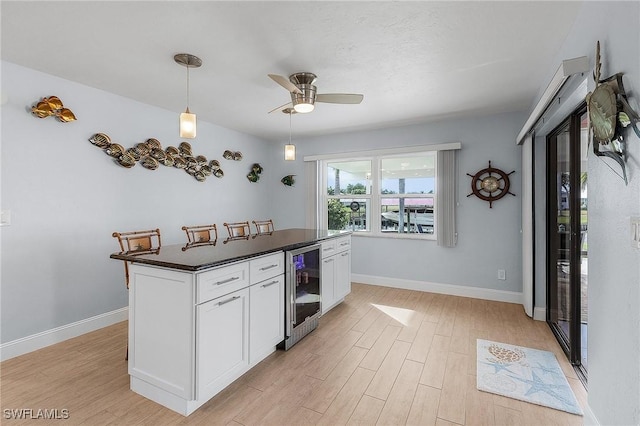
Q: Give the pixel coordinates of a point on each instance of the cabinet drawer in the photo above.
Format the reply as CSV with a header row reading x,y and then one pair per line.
x,y
266,267
343,243
328,248
221,281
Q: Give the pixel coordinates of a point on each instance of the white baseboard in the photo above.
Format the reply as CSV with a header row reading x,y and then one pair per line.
x,y
540,314
589,418
454,290
56,335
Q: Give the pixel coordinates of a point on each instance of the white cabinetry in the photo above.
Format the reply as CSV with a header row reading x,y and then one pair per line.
x,y
266,327
222,342
266,301
336,271
343,274
193,333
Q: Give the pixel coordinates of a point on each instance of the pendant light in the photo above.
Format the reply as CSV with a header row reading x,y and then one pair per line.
x,y
187,119
289,149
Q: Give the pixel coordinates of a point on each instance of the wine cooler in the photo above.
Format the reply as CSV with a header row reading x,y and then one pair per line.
x,y
302,293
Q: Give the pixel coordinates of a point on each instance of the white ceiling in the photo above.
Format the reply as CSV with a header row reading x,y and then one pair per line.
x,y
413,61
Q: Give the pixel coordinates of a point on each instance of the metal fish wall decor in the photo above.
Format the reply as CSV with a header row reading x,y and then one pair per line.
x,y
52,106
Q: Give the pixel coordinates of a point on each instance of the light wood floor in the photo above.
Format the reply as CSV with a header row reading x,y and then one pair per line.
x,y
384,356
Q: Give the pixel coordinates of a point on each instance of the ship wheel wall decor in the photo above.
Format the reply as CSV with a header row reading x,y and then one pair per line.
x,y
490,184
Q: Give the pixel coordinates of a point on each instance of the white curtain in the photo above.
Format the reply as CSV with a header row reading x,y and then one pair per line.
x,y
446,199
527,224
311,174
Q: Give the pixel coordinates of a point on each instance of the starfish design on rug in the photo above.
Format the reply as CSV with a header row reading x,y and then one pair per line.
x,y
538,385
499,367
546,369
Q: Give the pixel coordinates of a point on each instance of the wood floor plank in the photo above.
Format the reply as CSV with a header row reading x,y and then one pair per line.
x,y
374,331
396,409
324,394
366,412
508,417
347,399
331,355
454,389
424,407
386,375
479,409
422,342
434,369
380,348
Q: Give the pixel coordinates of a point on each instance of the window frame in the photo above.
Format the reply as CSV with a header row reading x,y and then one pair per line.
x,y
376,197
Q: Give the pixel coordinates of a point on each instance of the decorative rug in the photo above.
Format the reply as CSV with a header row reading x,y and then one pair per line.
x,y
526,374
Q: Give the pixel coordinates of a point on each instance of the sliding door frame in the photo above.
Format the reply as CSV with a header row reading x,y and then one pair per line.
x,y
571,346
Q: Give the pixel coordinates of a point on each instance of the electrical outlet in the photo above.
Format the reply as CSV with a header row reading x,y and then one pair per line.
x,y
502,274
5,218
635,232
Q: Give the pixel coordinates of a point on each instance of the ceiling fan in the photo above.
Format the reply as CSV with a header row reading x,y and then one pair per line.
x,y
304,96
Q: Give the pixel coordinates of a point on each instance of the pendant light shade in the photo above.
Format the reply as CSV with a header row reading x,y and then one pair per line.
x,y
289,149
187,125
187,119
290,152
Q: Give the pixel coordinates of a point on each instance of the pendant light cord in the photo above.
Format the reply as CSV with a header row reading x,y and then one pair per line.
x,y
289,127
187,88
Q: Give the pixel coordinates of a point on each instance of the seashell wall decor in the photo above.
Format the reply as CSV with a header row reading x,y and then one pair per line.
x,y
254,174
230,155
151,155
288,180
52,106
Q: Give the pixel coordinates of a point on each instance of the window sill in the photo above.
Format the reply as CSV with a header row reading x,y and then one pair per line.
x,y
395,236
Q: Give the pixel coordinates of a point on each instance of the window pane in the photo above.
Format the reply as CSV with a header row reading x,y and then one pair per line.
x,y
408,175
417,215
348,214
349,177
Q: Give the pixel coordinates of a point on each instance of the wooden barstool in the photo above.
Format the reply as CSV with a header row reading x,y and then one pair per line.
x,y
200,235
238,230
263,226
138,242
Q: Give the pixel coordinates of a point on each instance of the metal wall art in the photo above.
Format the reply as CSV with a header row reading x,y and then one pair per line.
x,y
288,180
151,155
609,114
490,184
229,155
52,106
254,174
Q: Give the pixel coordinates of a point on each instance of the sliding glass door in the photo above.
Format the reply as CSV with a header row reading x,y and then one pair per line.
x,y
567,258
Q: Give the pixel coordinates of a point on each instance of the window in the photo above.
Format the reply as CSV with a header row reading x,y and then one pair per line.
x,y
388,193
348,192
407,193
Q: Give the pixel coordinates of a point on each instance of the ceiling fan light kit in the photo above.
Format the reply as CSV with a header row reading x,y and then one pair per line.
x,y
304,93
187,119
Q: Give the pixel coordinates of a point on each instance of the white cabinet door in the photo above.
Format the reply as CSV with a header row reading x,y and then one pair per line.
x,y
266,318
222,345
343,275
327,289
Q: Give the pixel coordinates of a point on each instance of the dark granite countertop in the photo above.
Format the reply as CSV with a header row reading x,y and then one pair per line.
x,y
198,258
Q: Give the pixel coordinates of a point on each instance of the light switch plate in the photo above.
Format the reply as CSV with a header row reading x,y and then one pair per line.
x,y
502,274
5,218
635,232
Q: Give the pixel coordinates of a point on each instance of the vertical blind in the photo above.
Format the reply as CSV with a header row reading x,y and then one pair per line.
x,y
446,203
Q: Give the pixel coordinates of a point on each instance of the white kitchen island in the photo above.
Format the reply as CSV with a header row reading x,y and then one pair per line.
x,y
200,318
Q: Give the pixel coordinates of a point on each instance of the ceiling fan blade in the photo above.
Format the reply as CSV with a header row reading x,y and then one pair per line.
x,y
340,98
284,82
282,107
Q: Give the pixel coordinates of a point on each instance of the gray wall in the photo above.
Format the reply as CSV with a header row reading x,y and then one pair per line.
x,y
488,239
66,197
614,266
